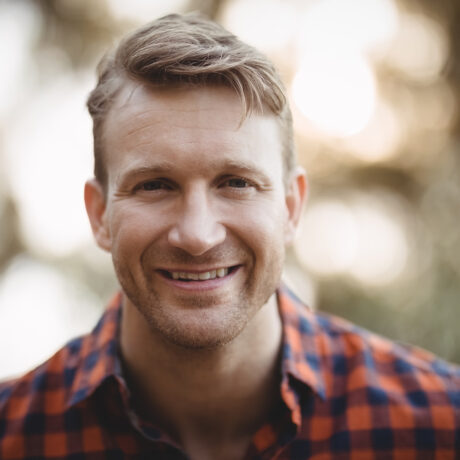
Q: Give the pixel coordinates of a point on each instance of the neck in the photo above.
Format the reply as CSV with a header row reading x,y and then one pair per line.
x,y
222,393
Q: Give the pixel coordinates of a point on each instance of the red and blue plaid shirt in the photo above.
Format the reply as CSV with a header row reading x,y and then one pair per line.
x,y
348,394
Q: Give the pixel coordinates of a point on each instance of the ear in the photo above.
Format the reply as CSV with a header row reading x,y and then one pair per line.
x,y
96,208
296,195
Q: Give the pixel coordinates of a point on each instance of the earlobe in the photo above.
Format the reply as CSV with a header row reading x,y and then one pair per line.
x,y
296,195
96,209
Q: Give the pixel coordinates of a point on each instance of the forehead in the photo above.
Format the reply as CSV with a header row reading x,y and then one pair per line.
x,y
138,104
203,124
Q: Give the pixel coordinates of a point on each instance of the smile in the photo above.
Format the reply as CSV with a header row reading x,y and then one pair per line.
x,y
199,276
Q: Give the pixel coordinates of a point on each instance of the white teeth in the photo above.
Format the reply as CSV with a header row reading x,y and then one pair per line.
x,y
220,273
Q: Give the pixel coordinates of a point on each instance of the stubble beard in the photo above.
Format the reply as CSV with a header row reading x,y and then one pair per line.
x,y
204,330
206,326
200,322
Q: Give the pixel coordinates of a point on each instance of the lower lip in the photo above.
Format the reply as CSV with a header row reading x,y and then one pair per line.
x,y
204,285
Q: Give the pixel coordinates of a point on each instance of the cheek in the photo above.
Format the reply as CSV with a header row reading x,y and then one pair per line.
x,y
262,228
133,228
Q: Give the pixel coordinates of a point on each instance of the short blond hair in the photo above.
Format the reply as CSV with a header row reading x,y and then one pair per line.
x,y
183,50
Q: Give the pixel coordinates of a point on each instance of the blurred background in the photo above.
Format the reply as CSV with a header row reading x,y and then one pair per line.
x,y
375,88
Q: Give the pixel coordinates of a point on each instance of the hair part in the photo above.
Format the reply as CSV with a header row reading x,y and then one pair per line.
x,y
189,50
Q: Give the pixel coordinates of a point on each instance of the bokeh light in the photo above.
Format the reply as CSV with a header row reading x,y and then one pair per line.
x,y
336,93
380,138
49,155
425,61
329,238
143,10
335,86
383,246
275,27
344,25
358,237
19,29
39,306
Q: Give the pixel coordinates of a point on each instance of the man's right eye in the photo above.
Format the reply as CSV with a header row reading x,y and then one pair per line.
x,y
153,185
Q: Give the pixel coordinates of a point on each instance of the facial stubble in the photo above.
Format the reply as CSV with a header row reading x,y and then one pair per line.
x,y
205,323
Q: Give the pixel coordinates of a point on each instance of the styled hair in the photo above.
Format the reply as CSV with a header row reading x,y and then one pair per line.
x,y
189,50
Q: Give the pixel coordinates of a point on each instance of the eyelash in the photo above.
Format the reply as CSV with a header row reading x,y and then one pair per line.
x,y
247,182
162,183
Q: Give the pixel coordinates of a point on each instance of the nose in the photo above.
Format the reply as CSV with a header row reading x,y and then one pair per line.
x,y
196,229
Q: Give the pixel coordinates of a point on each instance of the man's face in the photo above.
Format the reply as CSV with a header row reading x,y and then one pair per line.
x,y
196,215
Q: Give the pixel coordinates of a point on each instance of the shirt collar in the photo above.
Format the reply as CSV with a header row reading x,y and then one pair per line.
x,y
95,356
302,342
98,359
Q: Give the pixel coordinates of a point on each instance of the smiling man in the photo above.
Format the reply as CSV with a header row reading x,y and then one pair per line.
x,y
203,354
195,213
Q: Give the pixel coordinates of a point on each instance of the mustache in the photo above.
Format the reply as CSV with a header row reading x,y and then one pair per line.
x,y
177,256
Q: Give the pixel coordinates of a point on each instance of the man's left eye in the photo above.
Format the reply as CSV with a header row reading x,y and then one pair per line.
x,y
238,182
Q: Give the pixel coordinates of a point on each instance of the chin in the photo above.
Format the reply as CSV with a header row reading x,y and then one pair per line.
x,y
197,338
199,330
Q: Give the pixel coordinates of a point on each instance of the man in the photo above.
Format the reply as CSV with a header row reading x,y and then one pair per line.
x,y
203,354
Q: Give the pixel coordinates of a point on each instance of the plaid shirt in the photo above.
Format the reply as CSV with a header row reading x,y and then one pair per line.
x,y
348,394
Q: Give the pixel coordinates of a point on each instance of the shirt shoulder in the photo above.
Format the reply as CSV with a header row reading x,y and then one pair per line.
x,y
359,393
53,380
349,364
384,359
68,376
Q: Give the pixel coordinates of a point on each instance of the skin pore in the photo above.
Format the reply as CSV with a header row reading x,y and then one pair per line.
x,y
196,217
